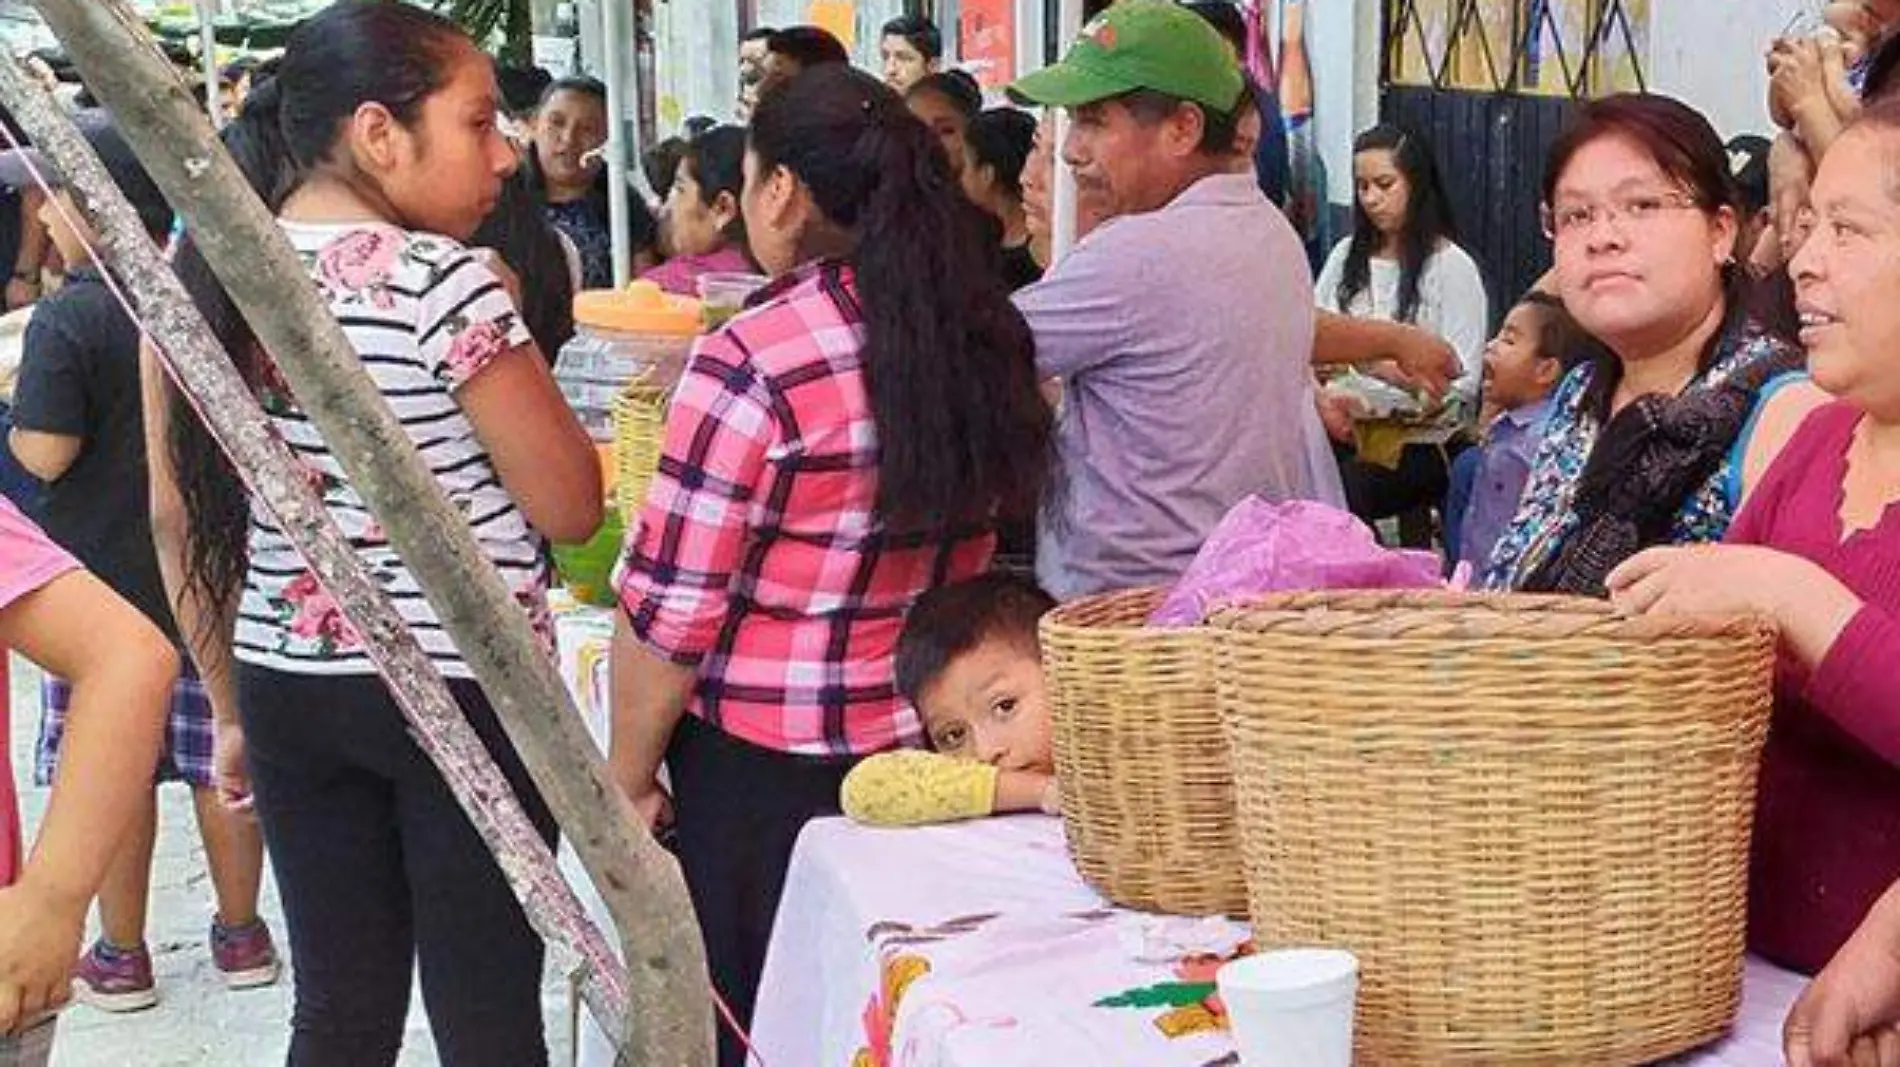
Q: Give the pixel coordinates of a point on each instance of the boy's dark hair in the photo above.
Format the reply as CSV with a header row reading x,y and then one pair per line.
x,y
1558,335
922,34
950,621
762,33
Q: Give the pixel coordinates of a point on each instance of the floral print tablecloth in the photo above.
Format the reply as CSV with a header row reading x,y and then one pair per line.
x,y
977,945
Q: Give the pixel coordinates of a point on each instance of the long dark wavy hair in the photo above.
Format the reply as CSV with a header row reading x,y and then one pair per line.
x,y
397,55
519,231
1428,219
963,432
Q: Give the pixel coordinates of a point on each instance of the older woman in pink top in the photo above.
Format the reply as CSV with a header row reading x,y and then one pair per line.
x,y
1817,548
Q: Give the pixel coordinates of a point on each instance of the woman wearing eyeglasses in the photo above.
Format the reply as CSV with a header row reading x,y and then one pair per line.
x,y
1642,446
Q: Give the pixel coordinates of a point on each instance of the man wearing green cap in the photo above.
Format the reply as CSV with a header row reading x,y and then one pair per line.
x,y
1182,326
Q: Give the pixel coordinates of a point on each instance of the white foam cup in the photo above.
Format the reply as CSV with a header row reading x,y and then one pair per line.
x,y
1292,1007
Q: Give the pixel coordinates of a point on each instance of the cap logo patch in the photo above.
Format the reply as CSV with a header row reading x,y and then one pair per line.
x,y
1102,33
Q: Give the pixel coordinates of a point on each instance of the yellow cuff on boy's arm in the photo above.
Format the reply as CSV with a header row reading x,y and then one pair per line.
x,y
918,788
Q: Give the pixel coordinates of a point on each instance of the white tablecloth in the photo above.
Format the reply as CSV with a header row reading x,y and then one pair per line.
x,y
977,945
584,636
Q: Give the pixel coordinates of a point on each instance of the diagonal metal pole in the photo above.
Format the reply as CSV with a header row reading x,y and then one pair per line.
x,y
660,1002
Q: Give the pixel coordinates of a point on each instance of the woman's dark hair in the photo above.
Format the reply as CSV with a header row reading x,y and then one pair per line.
x,y
1680,140
958,87
808,46
643,228
519,231
1748,165
662,163
1002,139
1227,21
343,56
922,34
717,162
1689,152
355,52
1428,219
521,87
963,433
1883,68
952,620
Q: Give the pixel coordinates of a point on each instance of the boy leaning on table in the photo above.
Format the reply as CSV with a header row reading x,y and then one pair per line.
x,y
121,669
969,660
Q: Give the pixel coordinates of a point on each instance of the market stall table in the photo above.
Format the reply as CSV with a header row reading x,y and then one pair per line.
x,y
584,636
978,945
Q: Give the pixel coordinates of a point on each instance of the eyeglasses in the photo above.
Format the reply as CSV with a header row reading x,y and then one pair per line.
x,y
1572,218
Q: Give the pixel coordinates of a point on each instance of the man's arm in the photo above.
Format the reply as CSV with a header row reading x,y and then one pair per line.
x,y
1421,356
1080,310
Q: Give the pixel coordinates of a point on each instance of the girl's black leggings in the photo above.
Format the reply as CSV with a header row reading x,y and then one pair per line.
x,y
380,872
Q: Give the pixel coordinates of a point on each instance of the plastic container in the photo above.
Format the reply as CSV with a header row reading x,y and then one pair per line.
x,y
586,569
724,295
1291,1008
622,335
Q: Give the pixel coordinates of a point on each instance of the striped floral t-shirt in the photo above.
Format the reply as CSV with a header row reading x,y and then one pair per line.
x,y
426,316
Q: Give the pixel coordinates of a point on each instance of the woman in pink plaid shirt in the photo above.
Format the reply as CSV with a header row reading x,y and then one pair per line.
x,y
842,447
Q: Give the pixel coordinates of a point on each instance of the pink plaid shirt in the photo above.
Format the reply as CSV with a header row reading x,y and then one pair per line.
x,y
759,557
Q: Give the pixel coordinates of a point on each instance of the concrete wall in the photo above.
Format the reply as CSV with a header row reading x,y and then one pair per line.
x,y
1709,54
1345,58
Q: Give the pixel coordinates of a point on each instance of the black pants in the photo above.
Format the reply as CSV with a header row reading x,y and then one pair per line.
x,y
380,871
739,809
1417,486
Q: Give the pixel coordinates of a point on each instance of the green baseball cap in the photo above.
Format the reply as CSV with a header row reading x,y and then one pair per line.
x,y
1156,45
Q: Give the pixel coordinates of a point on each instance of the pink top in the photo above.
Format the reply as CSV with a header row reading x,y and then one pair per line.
x,y
28,560
680,275
759,556
1827,829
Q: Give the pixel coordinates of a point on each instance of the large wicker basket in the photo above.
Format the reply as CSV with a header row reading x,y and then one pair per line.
x,y
639,432
1147,797
1528,817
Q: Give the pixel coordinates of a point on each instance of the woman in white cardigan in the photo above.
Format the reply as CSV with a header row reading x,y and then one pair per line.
x,y
1403,264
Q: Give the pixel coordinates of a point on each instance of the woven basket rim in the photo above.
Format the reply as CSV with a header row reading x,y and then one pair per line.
x,y
1130,608
1437,613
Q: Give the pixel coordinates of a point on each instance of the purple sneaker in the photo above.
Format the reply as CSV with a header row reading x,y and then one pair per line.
x,y
244,954
115,979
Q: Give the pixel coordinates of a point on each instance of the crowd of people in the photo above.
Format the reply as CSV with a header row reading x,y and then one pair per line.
x,y
827,604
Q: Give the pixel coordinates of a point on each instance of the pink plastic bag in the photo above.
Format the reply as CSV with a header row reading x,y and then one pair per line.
x,y
1263,547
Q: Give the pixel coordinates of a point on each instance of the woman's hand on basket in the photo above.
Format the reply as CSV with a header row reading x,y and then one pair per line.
x,y
1712,580
1850,1015
1810,606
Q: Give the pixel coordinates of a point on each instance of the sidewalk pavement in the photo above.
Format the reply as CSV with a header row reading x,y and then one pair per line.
x,y
198,1023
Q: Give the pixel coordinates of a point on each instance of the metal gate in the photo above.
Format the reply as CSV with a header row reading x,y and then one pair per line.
x,y
1490,84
